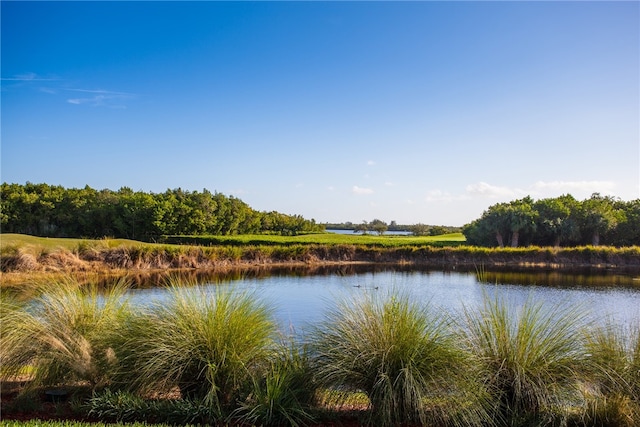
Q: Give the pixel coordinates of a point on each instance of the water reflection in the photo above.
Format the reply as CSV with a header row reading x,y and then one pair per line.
x,y
579,278
301,296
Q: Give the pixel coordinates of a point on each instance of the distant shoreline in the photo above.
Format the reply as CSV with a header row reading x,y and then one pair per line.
x,y
159,257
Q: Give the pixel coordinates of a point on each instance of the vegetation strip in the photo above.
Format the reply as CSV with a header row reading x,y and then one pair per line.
x,y
28,254
217,359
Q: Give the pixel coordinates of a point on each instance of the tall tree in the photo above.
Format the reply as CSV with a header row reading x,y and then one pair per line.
x,y
521,218
598,216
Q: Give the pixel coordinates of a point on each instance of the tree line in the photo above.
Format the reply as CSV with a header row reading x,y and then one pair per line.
x,y
559,221
55,211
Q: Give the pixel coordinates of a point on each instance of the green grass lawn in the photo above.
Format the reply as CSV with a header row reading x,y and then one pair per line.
x,y
51,243
322,239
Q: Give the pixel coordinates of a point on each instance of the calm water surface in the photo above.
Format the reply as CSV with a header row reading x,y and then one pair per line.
x,y
301,301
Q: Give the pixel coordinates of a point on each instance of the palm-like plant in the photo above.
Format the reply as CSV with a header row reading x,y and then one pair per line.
x,y
530,357
207,344
64,334
400,353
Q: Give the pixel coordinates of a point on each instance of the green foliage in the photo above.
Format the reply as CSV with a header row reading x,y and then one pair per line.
x,y
530,358
45,210
284,395
65,334
401,354
209,345
124,407
557,221
613,397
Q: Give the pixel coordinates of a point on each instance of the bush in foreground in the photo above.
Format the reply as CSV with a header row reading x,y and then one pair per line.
x,y
401,354
209,345
531,358
64,334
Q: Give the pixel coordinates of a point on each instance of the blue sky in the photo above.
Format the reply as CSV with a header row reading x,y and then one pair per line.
x,y
339,111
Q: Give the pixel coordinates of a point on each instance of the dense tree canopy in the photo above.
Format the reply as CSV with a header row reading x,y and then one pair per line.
x,y
47,210
558,221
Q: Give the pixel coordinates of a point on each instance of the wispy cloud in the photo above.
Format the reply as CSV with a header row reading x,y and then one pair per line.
x,y
540,189
101,98
359,190
27,77
371,163
484,189
573,186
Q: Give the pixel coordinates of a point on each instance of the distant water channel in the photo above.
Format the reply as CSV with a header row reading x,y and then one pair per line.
x,y
301,300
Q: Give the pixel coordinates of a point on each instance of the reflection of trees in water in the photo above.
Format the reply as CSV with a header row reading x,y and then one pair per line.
x,y
563,279
581,278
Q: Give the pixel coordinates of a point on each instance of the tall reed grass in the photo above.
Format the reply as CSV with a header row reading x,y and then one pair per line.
x,y
613,393
401,353
284,394
209,345
531,358
64,334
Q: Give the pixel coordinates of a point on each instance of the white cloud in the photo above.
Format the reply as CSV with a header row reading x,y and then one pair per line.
x,y
586,187
371,163
441,196
27,77
540,189
101,98
484,189
359,190
331,188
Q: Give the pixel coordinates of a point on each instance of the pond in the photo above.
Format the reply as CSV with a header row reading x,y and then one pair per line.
x,y
301,300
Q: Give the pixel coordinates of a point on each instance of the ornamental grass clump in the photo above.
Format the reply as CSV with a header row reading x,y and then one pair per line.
x,y
613,393
284,394
209,344
65,334
530,357
401,354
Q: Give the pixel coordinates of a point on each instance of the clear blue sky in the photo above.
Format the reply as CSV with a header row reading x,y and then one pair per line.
x,y
414,111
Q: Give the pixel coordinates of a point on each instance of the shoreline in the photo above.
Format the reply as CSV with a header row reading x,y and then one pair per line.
x,y
23,266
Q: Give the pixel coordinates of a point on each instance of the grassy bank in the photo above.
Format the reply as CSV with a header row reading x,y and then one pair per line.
x,y
218,358
32,255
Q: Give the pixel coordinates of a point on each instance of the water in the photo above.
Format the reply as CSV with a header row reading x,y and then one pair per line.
x,y
301,301
386,233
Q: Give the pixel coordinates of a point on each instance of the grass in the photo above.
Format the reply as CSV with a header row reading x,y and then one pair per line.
x,y
209,345
530,358
401,354
217,357
64,334
321,239
613,395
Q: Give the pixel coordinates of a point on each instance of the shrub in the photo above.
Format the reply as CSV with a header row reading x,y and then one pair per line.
x,y
530,358
65,334
614,393
284,395
400,353
207,344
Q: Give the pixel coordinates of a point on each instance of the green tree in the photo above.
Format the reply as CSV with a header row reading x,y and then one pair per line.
x,y
420,229
598,216
521,218
556,222
378,226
